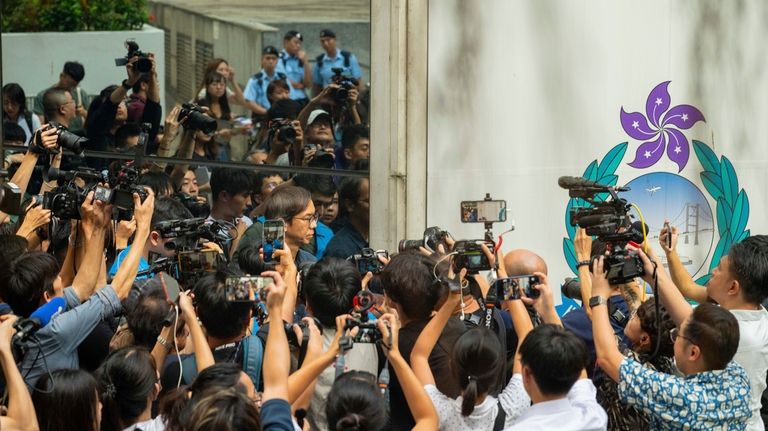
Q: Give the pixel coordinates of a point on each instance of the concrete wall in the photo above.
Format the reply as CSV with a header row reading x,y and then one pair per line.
x,y
34,60
524,91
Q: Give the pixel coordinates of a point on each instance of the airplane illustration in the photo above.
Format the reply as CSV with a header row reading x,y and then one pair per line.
x,y
653,190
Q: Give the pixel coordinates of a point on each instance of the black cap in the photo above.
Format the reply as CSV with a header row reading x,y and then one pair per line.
x,y
327,33
270,50
293,33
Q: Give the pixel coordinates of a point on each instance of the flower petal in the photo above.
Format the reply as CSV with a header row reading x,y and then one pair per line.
x,y
658,102
683,116
678,150
636,126
648,153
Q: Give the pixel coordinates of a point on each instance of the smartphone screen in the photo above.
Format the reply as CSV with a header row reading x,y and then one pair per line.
x,y
483,211
511,287
273,238
247,289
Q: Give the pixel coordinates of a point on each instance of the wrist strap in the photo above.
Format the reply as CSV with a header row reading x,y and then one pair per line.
x,y
583,263
126,85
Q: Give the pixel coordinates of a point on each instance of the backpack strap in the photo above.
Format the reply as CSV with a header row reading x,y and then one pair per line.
x,y
346,55
28,119
253,357
501,417
319,61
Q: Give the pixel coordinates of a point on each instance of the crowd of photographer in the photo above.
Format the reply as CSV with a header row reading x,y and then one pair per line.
x,y
131,301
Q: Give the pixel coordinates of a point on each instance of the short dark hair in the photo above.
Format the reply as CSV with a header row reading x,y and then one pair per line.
x,y
221,318
319,184
477,359
69,404
555,356
143,78
354,402
285,108
249,260
408,280
232,181
354,133
126,380
53,98
127,130
75,70
26,279
749,264
159,182
274,85
349,193
145,319
286,202
716,332
13,247
330,287
12,132
168,208
226,410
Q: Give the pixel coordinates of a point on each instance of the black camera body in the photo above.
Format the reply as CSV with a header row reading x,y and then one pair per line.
x,y
10,197
433,236
470,255
368,260
66,139
345,83
65,200
608,218
321,159
281,129
143,64
197,208
185,233
120,195
196,118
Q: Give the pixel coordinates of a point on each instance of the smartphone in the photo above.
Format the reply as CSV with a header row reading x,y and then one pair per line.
x,y
511,287
483,211
669,234
247,289
273,238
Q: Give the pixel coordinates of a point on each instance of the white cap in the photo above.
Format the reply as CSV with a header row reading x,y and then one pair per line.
x,y
314,115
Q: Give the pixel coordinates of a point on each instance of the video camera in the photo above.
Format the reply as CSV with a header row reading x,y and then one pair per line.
x,y
197,208
196,118
609,220
345,83
143,64
65,200
66,140
123,186
433,236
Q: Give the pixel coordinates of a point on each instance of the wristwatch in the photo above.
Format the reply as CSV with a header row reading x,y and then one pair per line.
x,y
597,300
581,263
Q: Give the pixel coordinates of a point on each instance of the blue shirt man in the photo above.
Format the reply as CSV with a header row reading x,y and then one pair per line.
x,y
333,58
256,88
293,63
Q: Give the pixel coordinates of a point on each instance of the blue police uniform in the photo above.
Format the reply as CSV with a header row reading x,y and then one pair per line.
x,y
322,72
256,88
293,68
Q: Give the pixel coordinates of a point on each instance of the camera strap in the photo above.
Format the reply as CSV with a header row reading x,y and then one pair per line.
x,y
617,315
487,310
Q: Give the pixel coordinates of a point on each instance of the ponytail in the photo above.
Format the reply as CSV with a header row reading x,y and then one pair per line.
x,y
469,396
350,422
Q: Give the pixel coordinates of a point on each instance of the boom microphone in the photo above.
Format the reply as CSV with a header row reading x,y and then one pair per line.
x,y
26,328
583,183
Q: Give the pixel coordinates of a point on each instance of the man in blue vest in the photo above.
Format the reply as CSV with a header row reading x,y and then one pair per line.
x,y
333,58
256,88
293,62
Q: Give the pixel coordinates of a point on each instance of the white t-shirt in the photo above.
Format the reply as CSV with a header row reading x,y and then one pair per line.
x,y
156,424
579,411
514,400
752,354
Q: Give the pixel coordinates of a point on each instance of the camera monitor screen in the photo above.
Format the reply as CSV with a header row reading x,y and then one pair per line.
x,y
483,211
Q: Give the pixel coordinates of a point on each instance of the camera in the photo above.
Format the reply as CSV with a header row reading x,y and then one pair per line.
x,y
10,196
433,236
143,64
123,185
368,332
321,159
186,233
469,255
65,200
571,288
513,287
196,118
197,208
368,260
66,139
606,217
281,129
345,83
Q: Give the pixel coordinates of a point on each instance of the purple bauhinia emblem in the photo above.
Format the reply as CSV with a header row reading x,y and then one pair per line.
x,y
663,131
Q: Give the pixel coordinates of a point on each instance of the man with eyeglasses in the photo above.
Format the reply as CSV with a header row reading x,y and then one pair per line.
x,y
715,392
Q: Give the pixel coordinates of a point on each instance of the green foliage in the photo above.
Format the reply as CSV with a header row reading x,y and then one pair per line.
x,y
73,15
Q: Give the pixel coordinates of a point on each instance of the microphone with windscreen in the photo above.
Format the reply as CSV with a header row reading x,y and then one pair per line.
x,y
26,328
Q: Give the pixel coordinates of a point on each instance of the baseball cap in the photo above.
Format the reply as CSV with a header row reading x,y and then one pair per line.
x,y
317,113
270,50
327,33
293,33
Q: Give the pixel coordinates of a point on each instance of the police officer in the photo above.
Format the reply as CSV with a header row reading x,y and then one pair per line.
x,y
292,62
333,57
256,88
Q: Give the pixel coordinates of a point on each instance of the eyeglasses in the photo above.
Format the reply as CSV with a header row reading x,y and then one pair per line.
x,y
675,333
309,219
